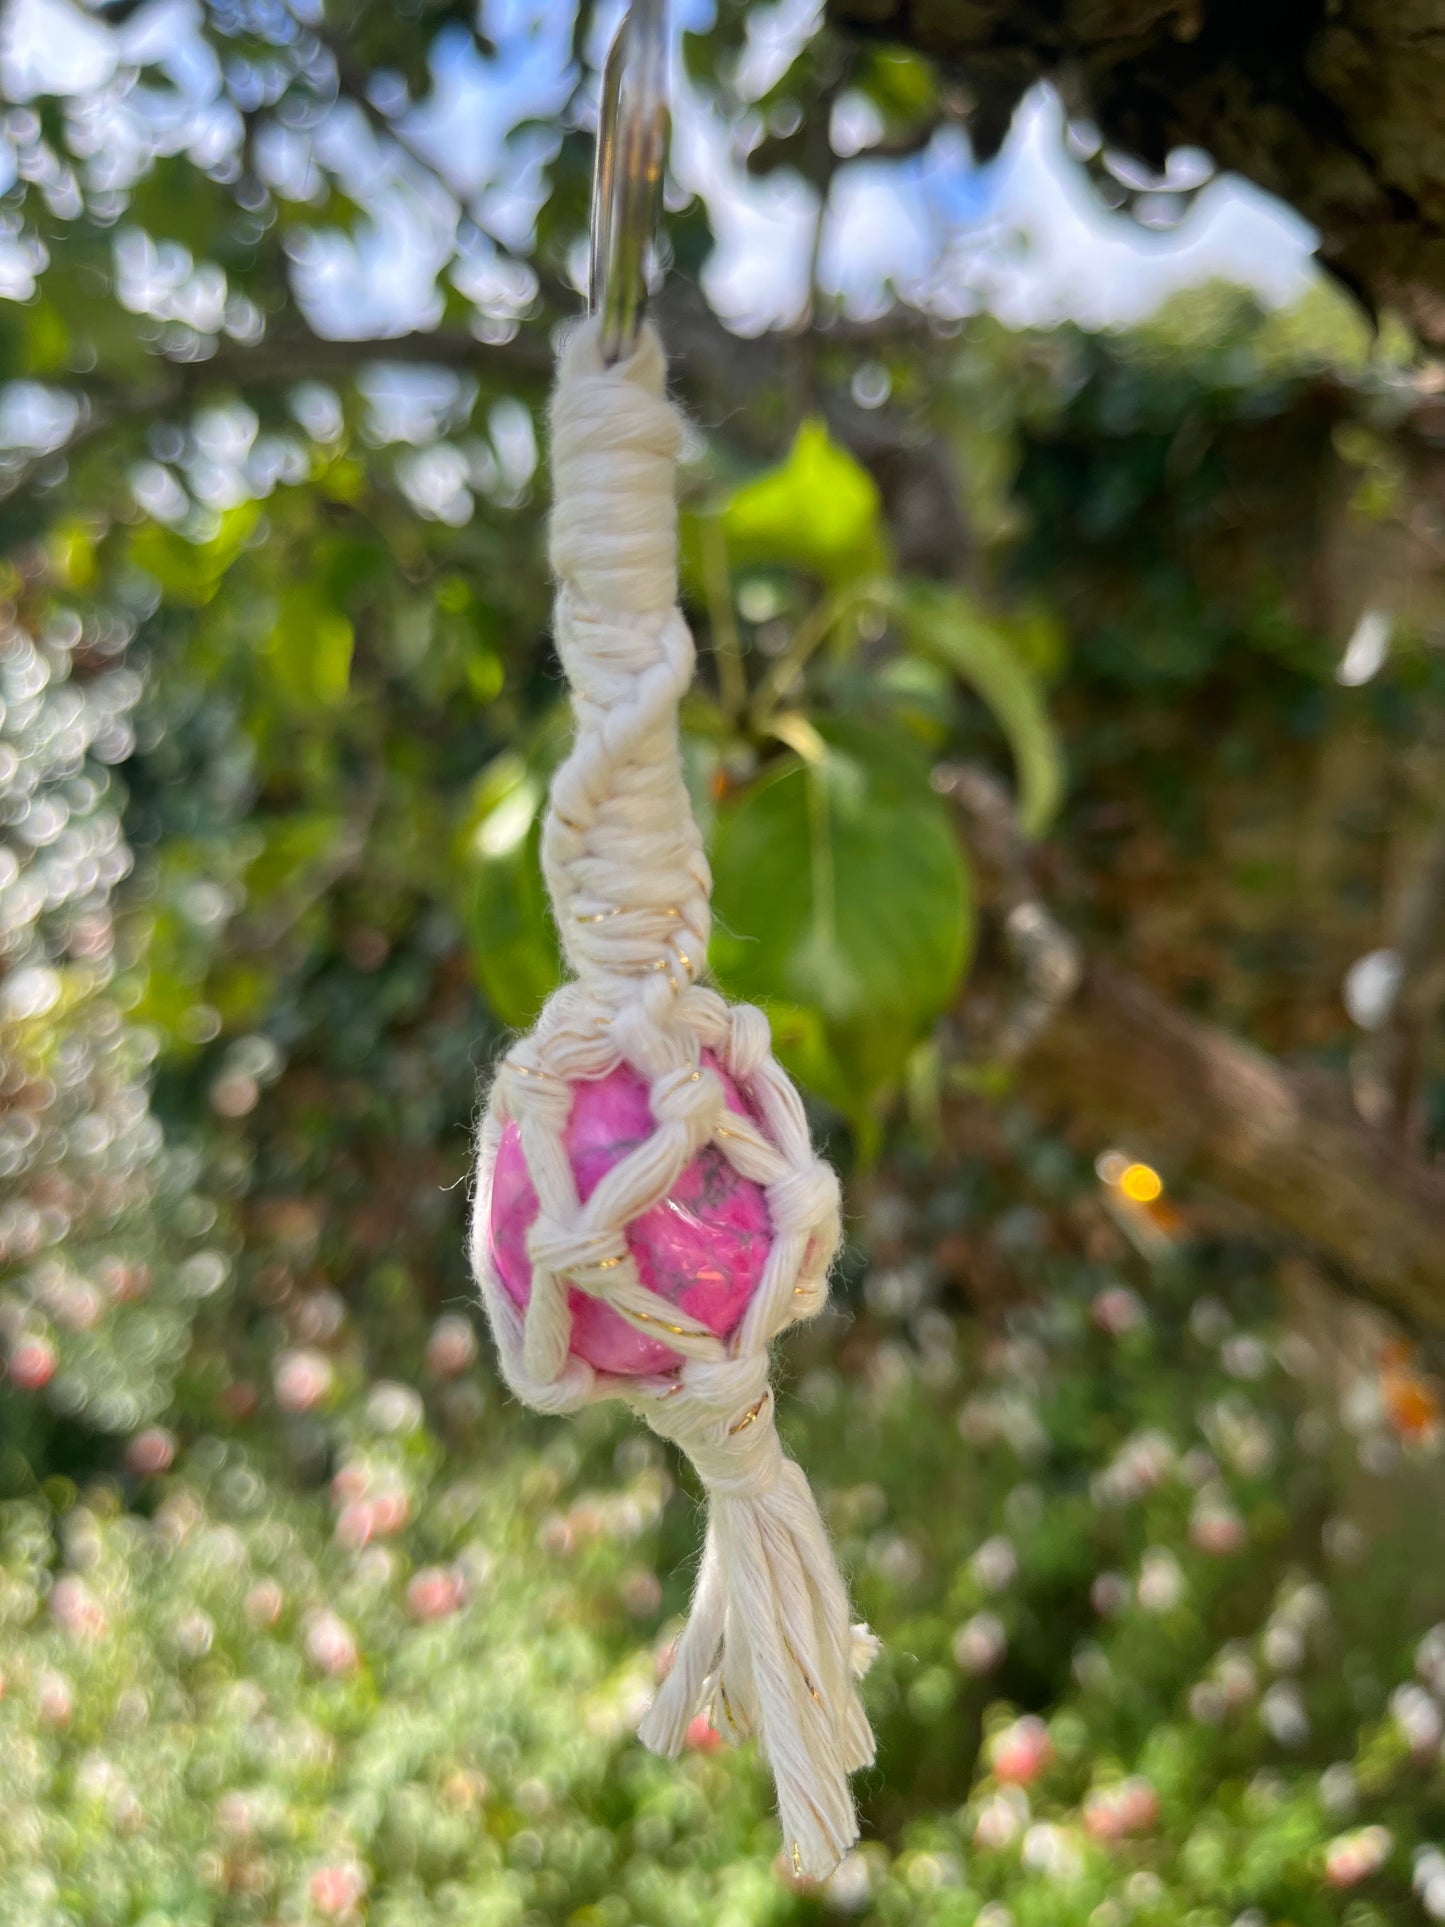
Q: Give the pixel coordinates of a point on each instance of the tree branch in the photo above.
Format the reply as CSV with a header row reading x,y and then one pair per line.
x,y
711,365
285,355
1102,1046
1120,1058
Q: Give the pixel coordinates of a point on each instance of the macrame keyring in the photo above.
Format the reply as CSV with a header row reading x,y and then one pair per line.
x,y
649,1212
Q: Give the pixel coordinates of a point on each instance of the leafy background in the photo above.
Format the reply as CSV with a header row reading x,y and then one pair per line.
x,y
300,1618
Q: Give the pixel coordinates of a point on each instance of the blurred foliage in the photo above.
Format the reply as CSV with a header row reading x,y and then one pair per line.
x,y
300,1620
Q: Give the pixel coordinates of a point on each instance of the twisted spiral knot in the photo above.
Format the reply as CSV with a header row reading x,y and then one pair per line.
x,y
620,849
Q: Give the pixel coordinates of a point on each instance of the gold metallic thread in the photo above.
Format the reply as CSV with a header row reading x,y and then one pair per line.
x,y
802,1669
681,1331
748,1416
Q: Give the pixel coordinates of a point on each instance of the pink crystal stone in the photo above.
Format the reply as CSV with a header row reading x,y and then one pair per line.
x,y
702,1248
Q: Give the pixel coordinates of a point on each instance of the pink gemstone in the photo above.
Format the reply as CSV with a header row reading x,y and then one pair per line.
x,y
702,1248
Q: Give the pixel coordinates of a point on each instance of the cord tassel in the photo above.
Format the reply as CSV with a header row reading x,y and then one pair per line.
x,y
768,1649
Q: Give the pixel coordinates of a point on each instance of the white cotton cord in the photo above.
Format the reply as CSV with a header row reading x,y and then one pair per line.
x,y
769,1649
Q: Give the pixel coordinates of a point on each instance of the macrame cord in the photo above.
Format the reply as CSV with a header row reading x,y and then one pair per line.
x,y
768,1648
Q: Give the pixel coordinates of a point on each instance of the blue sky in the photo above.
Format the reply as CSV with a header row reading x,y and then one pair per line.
x,y
1028,237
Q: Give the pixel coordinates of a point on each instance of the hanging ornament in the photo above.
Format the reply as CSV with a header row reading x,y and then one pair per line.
x,y
649,1212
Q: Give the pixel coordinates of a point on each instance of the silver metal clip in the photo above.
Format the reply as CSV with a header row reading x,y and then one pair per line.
x,y
632,128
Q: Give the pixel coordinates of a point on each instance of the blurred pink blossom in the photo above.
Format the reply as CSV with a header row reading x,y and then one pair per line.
x,y
264,1602
337,1891
452,1346
32,1364
151,1452
1021,1752
1353,1857
330,1643
1117,1311
1131,1806
1216,1528
302,1380
434,1593
54,1700
77,1611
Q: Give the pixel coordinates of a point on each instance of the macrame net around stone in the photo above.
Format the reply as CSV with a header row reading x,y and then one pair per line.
x,y
768,1648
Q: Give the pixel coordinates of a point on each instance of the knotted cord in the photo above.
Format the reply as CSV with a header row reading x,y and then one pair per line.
x,y
768,1648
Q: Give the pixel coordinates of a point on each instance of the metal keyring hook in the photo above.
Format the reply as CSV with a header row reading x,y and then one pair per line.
x,y
632,125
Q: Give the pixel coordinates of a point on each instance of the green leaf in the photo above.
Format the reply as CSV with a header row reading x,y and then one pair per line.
x,y
819,511
310,648
48,347
295,847
946,627
188,572
504,899
901,83
840,891
175,201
